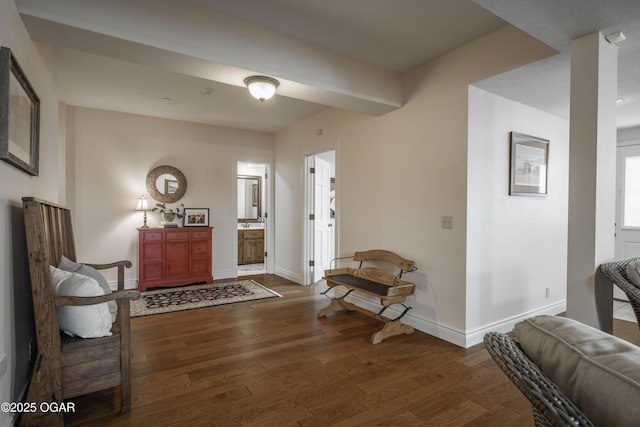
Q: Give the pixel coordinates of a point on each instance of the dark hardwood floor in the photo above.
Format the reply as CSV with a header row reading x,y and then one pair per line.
x,y
274,363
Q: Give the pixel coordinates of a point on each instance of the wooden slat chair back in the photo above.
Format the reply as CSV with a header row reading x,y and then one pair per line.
x,y
67,367
372,280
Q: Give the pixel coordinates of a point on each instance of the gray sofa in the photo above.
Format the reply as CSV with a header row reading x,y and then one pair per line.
x,y
573,374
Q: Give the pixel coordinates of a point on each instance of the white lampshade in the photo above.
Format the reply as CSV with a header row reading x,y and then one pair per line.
x,y
142,205
261,87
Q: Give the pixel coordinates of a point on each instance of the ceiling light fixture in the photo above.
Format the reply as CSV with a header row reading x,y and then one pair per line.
x,y
261,88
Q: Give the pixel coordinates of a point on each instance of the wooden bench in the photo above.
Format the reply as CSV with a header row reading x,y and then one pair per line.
x,y
389,288
67,367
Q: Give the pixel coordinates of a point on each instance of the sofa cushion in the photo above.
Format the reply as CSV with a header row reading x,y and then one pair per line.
x,y
67,265
86,321
597,371
633,271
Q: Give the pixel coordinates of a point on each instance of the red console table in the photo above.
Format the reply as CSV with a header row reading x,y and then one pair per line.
x,y
173,256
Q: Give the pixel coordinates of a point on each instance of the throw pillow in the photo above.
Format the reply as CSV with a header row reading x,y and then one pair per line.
x,y
67,265
597,371
86,321
633,271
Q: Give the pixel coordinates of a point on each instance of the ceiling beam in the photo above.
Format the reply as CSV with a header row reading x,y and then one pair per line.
x,y
186,38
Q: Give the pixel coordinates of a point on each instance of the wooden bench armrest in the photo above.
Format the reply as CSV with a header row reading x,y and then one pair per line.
x,y
121,265
125,263
78,301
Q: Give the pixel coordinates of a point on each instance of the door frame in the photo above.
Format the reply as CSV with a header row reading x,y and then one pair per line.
x,y
309,200
268,209
619,214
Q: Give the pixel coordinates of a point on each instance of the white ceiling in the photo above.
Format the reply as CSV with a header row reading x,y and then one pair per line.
x,y
545,85
129,55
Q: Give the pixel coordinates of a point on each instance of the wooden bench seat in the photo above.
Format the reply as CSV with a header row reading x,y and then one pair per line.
x,y
388,287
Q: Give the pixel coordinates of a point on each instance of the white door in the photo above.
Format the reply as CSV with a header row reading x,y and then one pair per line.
x,y
628,205
322,224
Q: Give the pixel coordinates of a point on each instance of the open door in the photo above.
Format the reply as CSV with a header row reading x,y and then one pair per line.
x,y
628,206
320,225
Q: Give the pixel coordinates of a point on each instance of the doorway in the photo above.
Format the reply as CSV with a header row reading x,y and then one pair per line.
x,y
320,214
252,224
627,241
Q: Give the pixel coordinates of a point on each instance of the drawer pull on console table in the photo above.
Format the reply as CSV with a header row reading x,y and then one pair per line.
x,y
174,256
389,288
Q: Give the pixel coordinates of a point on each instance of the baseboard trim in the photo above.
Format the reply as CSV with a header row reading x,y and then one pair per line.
x,y
128,284
224,275
294,277
506,325
453,335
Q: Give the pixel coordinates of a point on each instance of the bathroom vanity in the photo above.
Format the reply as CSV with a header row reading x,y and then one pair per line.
x,y
250,245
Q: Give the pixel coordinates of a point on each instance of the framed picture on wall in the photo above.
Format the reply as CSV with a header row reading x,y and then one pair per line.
x,y
528,169
255,194
19,116
196,217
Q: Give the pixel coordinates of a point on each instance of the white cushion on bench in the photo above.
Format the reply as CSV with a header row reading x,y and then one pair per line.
x,y
74,267
86,321
597,371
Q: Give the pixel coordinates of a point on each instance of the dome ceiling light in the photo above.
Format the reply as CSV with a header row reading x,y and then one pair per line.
x,y
261,88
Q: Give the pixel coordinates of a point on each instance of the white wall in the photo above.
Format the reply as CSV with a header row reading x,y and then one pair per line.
x,y
113,154
516,246
398,174
16,313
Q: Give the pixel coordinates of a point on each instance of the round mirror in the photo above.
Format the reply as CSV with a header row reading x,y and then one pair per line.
x,y
166,184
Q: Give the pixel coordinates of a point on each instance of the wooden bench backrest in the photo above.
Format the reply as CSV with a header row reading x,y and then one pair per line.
x,y
388,256
49,236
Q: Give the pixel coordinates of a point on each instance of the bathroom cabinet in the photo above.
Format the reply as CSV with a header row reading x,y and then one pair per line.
x,y
250,246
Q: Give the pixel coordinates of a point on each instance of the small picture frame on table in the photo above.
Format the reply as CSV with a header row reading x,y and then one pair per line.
x,y
196,217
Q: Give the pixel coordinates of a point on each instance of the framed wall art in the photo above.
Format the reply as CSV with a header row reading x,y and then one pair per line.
x,y
528,169
19,116
196,217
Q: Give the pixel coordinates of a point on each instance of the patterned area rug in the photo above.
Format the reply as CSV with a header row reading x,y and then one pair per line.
x,y
198,296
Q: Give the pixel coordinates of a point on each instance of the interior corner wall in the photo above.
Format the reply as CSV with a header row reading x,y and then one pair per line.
x,y
516,246
113,153
398,174
16,312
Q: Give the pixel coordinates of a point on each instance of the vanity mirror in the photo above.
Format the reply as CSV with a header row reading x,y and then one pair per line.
x,y
249,198
166,184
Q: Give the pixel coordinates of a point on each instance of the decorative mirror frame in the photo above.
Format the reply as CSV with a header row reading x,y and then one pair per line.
x,y
153,176
256,197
